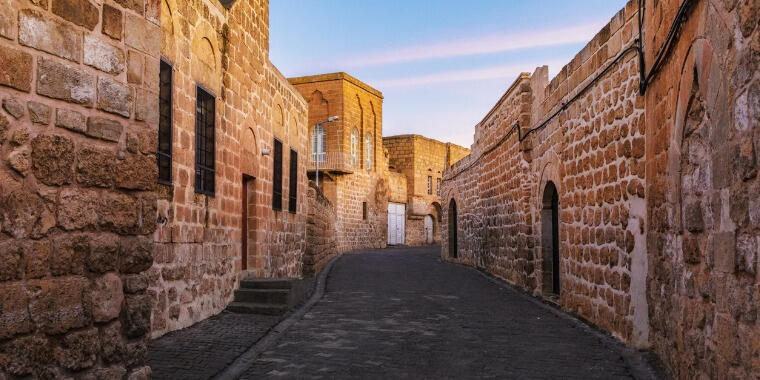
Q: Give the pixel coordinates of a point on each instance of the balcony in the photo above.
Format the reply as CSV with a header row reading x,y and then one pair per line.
x,y
330,162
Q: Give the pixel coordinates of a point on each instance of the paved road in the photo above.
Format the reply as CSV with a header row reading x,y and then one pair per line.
x,y
401,313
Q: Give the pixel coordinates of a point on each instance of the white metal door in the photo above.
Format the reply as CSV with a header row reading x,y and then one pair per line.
x,y
428,229
396,217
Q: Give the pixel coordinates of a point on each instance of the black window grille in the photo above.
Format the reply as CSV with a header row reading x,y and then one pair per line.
x,y
164,151
430,185
293,192
364,210
277,176
205,144
438,186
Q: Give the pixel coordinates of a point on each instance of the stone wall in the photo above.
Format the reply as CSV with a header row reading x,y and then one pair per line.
x,y
321,243
199,255
77,200
419,157
350,183
703,122
657,234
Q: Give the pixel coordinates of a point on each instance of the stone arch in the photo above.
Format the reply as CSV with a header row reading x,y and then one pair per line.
x,y
699,92
249,152
550,260
168,44
453,228
278,122
206,60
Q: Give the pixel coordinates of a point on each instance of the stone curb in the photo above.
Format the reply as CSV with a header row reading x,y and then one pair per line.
x,y
642,364
246,359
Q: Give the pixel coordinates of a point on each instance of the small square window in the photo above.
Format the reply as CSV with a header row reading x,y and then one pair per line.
x,y
364,210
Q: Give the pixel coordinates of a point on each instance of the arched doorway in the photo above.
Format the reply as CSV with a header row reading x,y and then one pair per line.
x,y
453,229
550,239
428,229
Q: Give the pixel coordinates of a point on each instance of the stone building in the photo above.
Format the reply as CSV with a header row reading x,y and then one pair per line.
x,y
77,187
422,161
348,155
232,160
637,212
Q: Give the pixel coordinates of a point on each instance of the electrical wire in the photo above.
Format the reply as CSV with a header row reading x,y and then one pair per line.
x,y
644,78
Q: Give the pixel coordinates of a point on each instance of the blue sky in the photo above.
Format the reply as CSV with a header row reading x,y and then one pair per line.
x,y
441,64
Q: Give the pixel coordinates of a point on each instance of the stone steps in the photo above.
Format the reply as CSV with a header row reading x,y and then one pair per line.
x,y
263,296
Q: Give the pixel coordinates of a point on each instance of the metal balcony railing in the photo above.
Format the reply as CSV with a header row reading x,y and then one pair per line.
x,y
338,162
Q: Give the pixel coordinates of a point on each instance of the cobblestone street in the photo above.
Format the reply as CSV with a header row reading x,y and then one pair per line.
x,y
401,313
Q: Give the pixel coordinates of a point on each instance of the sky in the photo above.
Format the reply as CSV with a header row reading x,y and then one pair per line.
x,y
440,64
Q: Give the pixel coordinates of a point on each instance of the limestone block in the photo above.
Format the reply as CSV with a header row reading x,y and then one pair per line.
x,y
114,97
96,167
71,120
103,56
78,350
56,305
112,22
15,317
39,113
106,296
53,159
80,12
16,69
59,81
43,33
13,107
105,129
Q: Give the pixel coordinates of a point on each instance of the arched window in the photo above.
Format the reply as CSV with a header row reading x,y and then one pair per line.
x,y
318,144
354,147
368,151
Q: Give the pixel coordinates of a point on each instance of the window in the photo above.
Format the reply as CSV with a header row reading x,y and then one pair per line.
x,y
164,151
368,151
277,176
354,147
364,210
438,186
430,185
205,146
318,144
293,178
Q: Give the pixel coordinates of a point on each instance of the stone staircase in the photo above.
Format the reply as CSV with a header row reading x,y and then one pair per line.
x,y
268,296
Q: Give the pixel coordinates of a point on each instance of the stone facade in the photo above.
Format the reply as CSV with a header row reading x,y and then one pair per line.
x,y
353,174
637,213
77,199
422,161
321,243
203,245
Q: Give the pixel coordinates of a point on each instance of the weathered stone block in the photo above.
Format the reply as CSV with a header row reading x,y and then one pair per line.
x,y
136,317
142,35
106,296
80,12
77,209
114,372
71,120
105,129
10,258
20,137
36,257
134,67
135,283
14,302
114,97
746,253
53,159
16,69
13,107
112,343
142,373
78,350
153,11
56,305
39,113
104,253
58,81
8,19
4,126
724,244
136,254
103,56
119,213
146,107
21,356
112,22
44,33
96,167
152,73
693,220
23,214
137,172
20,160
135,5
71,251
